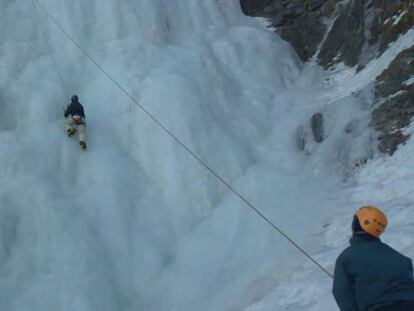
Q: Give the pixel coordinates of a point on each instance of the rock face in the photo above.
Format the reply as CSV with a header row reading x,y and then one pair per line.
x,y
254,7
395,92
298,21
361,29
317,127
353,32
346,38
364,29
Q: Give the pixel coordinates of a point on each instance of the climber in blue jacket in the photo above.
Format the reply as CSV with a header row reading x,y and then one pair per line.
x,y
75,120
369,274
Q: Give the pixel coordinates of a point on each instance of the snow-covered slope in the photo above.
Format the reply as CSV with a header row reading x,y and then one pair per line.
x,y
135,223
385,181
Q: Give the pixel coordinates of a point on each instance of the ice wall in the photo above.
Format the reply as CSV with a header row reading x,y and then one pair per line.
x,y
135,223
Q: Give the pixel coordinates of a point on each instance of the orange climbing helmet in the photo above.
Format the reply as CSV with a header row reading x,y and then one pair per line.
x,y
372,220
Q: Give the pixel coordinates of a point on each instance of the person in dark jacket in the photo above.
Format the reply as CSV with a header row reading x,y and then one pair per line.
x,y
370,275
75,118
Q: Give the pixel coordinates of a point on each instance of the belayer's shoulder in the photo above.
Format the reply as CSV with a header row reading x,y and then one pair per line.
x,y
345,254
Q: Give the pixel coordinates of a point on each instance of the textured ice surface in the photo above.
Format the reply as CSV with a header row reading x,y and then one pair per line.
x,y
135,223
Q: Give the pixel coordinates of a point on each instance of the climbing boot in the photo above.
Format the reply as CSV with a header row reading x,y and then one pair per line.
x,y
71,131
82,144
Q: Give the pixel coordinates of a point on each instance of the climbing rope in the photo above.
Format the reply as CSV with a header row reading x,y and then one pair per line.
x,y
184,146
49,48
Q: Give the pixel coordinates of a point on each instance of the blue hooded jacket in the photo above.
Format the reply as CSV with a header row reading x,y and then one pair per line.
x,y
370,274
74,108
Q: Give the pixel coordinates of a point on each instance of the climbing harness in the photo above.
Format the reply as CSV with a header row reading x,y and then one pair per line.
x,y
78,120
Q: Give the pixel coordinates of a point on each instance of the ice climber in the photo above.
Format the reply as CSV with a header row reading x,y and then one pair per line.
x,y
75,119
369,274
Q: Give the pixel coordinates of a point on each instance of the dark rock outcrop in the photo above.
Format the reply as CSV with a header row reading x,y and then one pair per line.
x,y
298,21
346,38
361,31
317,127
254,7
364,29
396,98
395,18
